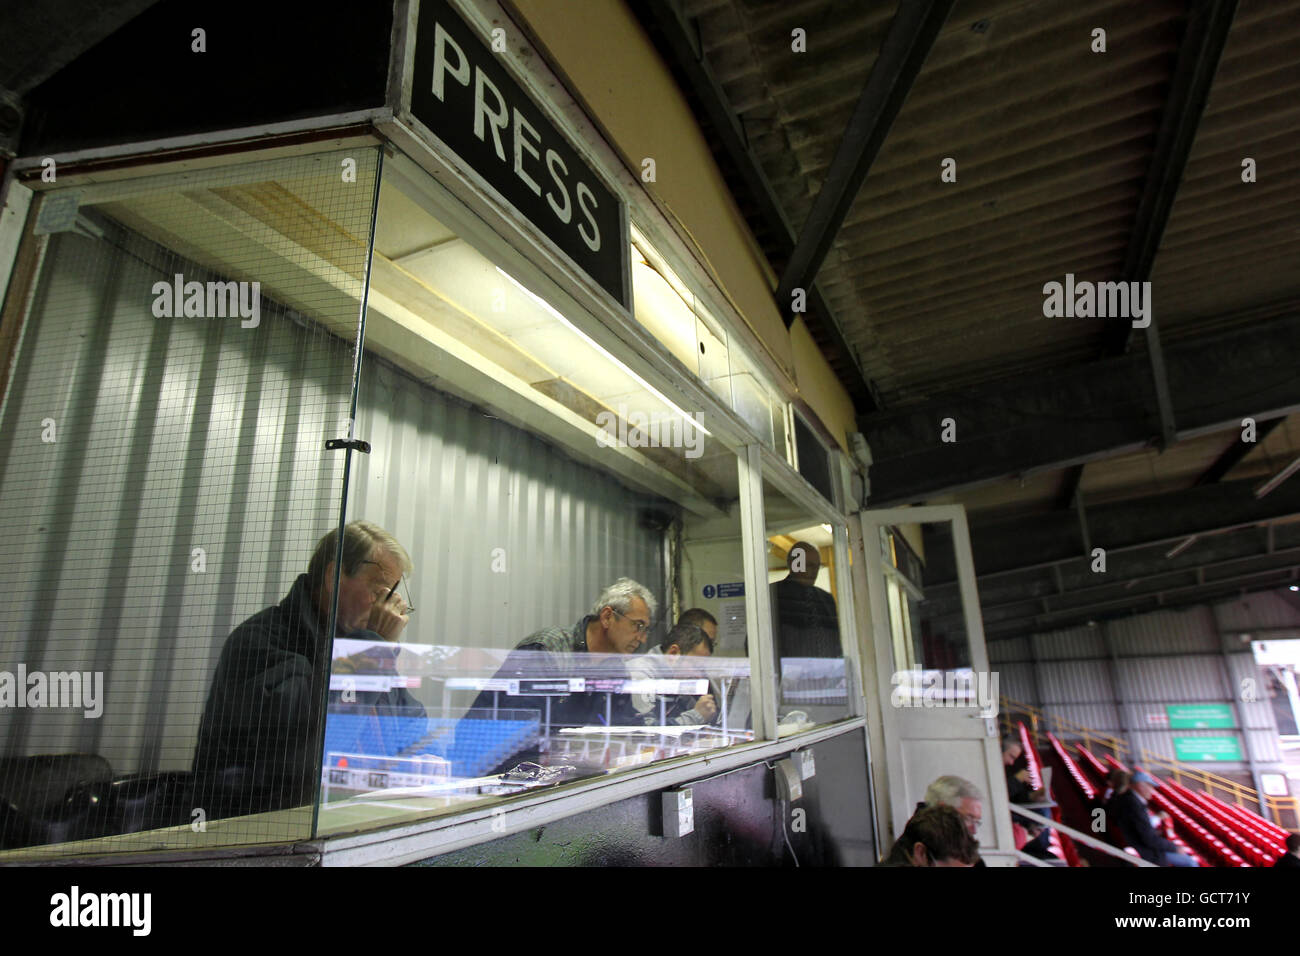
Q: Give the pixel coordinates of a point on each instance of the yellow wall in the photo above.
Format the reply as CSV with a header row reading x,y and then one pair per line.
x,y
819,387
615,71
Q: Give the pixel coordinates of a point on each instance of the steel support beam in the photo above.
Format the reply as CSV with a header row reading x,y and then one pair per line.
x,y
1161,600
1204,37
1029,541
1082,414
1235,452
907,44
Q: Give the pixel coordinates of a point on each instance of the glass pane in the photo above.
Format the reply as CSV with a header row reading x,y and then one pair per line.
x,y
561,515
814,686
163,484
932,652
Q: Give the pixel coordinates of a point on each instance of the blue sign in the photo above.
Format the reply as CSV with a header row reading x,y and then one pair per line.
x,y
734,589
709,591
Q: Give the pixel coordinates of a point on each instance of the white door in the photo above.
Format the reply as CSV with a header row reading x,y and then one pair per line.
x,y
939,699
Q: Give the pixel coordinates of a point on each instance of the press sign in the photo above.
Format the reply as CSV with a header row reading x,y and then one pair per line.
x,y
466,98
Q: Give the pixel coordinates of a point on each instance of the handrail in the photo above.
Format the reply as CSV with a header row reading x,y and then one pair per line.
x,y
1279,805
1078,837
1209,781
1063,727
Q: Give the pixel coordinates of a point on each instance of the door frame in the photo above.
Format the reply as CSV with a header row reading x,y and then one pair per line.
x,y
901,802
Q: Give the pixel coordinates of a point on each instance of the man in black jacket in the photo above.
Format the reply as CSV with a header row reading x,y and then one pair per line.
x,y
1290,860
1128,813
259,745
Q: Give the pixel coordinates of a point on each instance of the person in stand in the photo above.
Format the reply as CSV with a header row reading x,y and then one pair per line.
x,y
935,836
1127,811
1291,858
963,796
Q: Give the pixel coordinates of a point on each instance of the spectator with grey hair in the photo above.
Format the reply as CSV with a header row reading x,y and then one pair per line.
x,y
960,794
616,624
259,745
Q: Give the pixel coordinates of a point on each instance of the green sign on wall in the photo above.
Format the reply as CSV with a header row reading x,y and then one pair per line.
x,y
1207,748
1199,716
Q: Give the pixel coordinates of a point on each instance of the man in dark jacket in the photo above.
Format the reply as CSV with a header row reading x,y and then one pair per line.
x,y
1128,812
1290,860
935,836
259,745
807,623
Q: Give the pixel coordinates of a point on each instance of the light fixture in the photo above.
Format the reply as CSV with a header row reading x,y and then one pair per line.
x,y
552,311
1294,587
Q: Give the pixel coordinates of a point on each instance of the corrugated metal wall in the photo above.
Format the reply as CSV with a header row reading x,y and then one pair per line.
x,y
1072,644
1265,609
173,435
1171,679
456,484
1166,657
1164,632
169,435
1073,682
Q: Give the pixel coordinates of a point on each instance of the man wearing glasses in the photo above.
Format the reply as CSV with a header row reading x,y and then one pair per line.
x,y
259,745
616,624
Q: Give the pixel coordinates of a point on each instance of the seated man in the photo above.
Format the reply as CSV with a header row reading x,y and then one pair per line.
x,y
664,663
1019,789
616,624
259,742
963,796
1290,860
703,620
1128,813
935,836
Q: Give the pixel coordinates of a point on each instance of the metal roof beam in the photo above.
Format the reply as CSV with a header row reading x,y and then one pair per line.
x,y
1168,598
910,38
1235,453
1037,540
1080,414
1205,36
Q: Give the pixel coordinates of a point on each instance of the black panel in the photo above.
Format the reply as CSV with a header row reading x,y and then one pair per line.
x,y
265,63
459,85
814,461
738,822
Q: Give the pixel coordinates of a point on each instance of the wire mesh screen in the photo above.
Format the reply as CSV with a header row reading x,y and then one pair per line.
x,y
187,348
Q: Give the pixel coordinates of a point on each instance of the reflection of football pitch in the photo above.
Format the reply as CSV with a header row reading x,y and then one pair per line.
x,y
469,748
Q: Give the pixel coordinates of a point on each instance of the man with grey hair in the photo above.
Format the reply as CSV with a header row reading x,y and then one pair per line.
x,y
259,745
617,623
960,794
